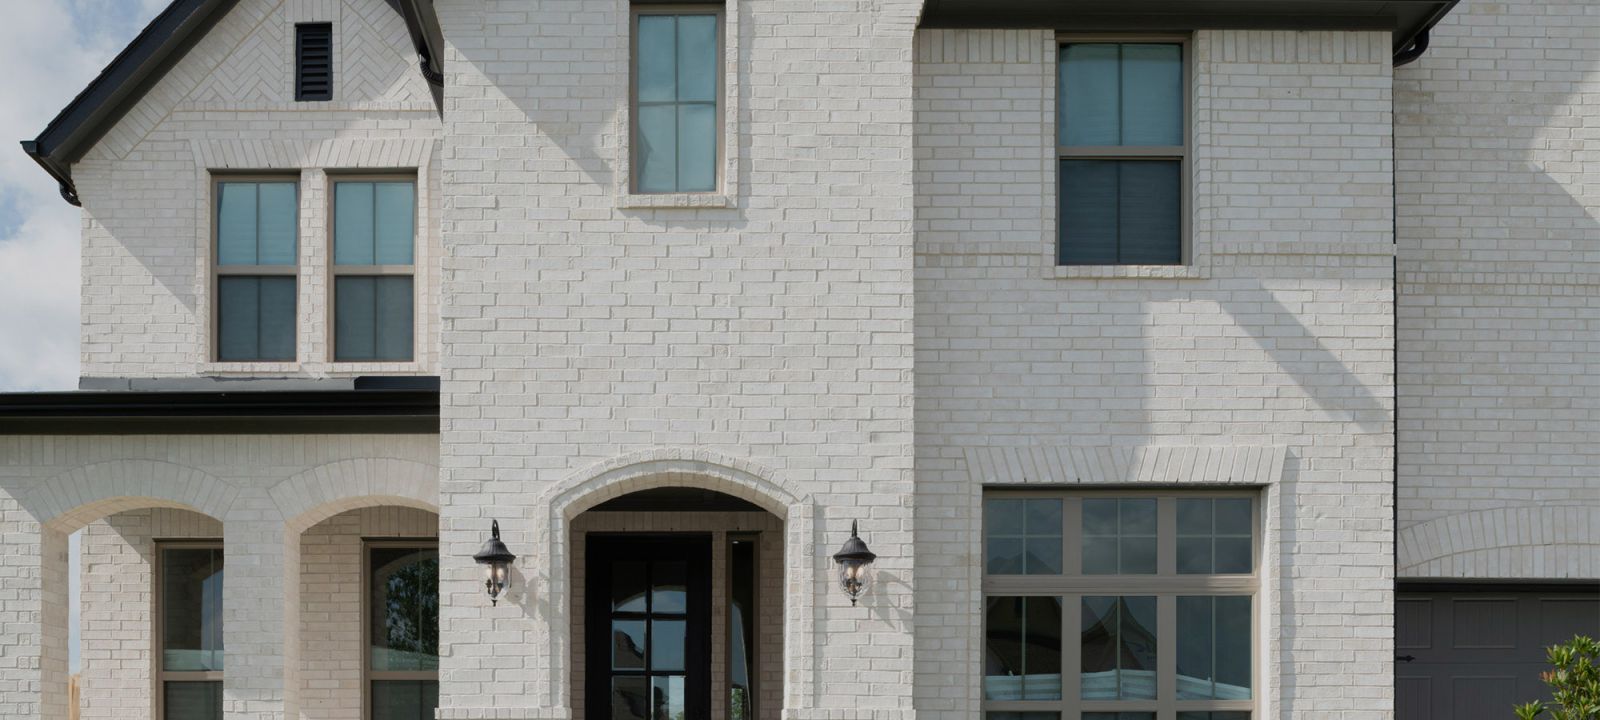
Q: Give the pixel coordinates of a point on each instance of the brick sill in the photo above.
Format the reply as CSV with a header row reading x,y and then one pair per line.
x,y
675,200
1135,272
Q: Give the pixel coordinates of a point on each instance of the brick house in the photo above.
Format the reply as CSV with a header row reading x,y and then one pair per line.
x,y
1200,360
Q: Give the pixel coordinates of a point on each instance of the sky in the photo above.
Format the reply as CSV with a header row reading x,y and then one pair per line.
x,y
50,50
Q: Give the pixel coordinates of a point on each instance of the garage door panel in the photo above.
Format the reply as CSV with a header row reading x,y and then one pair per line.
x,y
1476,654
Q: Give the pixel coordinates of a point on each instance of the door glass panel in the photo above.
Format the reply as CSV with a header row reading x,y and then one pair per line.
x,y
741,629
1022,654
666,702
667,594
192,700
191,600
1213,648
404,699
628,586
629,701
666,644
405,600
627,644
1119,648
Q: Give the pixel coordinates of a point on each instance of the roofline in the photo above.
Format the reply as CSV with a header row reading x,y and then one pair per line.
x,y
408,410
147,59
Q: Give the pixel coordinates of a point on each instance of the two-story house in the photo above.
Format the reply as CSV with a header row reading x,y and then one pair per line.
x,y
1140,360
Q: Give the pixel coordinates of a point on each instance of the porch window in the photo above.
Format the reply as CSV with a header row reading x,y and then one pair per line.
x,y
189,629
402,630
374,255
1119,605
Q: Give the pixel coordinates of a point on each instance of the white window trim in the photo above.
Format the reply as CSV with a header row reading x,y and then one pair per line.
x,y
1166,584
1196,259
727,181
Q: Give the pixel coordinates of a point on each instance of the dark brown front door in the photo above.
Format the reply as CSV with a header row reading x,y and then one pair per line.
x,y
648,617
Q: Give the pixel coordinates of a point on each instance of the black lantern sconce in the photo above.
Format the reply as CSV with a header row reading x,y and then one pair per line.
x,y
496,559
855,565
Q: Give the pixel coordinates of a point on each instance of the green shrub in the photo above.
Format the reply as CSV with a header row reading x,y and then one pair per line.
x,y
1574,680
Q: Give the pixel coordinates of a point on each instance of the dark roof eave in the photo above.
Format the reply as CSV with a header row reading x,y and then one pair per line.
x,y
220,412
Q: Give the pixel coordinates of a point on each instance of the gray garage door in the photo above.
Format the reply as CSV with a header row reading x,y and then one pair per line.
x,y
1473,653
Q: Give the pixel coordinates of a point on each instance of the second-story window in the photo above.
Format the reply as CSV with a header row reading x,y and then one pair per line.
x,y
256,258
677,80
1121,137
374,246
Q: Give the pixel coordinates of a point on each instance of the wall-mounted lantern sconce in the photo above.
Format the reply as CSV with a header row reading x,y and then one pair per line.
x,y
855,566
496,560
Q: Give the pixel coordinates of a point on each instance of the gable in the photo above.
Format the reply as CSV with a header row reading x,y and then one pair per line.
x,y
209,53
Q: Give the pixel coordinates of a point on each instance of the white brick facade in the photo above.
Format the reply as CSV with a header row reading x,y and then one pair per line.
x,y
866,324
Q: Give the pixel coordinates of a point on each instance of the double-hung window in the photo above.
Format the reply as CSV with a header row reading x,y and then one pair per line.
x,y
189,631
256,264
402,611
374,250
1122,147
676,98
1119,605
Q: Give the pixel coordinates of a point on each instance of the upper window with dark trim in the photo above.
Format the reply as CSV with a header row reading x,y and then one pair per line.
x,y
313,61
1122,129
676,94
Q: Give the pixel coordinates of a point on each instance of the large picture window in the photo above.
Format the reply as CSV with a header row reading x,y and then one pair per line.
x,y
676,91
189,631
257,256
402,630
1122,147
1119,605
374,256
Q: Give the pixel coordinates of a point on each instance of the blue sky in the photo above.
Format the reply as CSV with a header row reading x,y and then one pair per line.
x,y
50,49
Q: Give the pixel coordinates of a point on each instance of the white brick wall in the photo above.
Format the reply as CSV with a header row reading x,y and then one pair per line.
x,y
1280,338
229,106
1499,273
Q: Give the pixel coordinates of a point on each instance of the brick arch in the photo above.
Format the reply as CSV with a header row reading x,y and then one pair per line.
x,y
670,467
680,467
77,497
1514,542
326,490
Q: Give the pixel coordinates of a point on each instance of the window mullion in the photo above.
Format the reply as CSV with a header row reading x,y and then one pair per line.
x,y
1071,656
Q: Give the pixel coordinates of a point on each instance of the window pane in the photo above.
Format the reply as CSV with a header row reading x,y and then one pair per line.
x,y
1022,716
191,610
1022,657
1119,536
236,224
627,644
697,58
741,629
394,224
393,340
404,699
352,226
1089,212
238,318
277,318
355,310
1214,715
697,147
1088,94
1119,716
1119,648
658,148
1023,536
1215,535
629,700
1149,227
1233,555
629,586
404,608
667,703
192,700
1152,94
1214,648
1233,517
656,72
667,638
276,231
668,587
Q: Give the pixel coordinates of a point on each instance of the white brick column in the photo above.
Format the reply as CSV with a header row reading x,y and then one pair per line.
x,y
33,615
261,613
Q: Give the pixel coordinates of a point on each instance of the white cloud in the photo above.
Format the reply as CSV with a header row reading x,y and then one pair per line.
x,y
51,49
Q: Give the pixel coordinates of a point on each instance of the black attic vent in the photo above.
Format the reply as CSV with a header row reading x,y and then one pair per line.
x,y
313,61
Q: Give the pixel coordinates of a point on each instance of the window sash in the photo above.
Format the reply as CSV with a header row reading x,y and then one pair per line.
x,y
1171,153
343,270
158,625
1166,586
369,676
220,270
636,130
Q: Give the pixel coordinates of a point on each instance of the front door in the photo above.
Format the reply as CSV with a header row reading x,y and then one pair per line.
x,y
648,620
